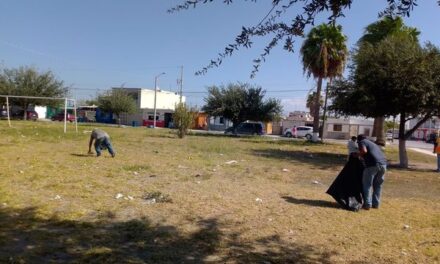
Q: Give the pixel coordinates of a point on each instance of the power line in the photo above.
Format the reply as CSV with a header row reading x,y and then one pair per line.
x,y
267,91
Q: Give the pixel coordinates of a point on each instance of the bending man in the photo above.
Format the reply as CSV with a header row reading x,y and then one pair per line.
x,y
102,142
374,172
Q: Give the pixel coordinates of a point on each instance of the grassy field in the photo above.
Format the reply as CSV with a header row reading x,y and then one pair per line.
x,y
201,199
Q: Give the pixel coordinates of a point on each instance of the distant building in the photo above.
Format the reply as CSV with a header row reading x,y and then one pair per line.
x,y
430,126
165,107
344,128
295,118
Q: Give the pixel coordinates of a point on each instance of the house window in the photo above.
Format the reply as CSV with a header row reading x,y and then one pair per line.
x,y
150,117
222,120
367,132
337,127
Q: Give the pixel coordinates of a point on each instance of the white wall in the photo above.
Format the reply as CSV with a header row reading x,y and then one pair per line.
x,y
165,100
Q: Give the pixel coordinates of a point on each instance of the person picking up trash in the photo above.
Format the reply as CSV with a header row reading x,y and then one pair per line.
x,y
102,142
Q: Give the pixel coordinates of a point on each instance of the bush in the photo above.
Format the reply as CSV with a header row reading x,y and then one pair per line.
x,y
183,119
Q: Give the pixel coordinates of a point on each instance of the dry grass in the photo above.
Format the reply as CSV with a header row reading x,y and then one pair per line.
x,y
58,204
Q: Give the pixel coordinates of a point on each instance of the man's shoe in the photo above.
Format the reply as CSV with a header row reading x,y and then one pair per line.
x,y
375,206
113,155
366,207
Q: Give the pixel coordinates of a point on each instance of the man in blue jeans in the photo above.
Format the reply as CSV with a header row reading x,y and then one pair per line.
x,y
374,172
102,142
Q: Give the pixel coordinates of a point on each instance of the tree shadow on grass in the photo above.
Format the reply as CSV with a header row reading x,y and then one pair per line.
x,y
322,160
315,203
411,167
27,238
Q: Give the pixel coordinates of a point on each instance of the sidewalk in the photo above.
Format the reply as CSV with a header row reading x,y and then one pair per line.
x,y
424,151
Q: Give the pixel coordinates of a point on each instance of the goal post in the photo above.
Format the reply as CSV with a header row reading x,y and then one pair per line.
x,y
65,99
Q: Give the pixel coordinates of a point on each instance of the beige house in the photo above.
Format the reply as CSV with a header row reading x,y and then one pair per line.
x,y
344,128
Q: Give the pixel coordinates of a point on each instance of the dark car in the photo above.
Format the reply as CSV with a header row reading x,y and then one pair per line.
x,y
30,115
431,138
60,117
246,128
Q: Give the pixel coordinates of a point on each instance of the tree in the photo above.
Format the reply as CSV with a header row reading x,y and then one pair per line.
x,y
28,81
310,103
324,53
279,25
241,102
395,77
117,101
376,32
183,119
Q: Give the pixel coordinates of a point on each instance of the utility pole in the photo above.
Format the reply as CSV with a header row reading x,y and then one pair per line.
x,y
181,82
155,95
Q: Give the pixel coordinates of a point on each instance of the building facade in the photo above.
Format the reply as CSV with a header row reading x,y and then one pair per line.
x,y
166,102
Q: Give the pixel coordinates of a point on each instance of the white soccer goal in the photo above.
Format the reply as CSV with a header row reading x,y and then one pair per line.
x,y
66,100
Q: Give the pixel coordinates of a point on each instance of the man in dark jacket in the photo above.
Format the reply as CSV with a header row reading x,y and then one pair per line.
x,y
374,172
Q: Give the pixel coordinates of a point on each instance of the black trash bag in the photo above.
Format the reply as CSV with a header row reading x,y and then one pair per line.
x,y
346,189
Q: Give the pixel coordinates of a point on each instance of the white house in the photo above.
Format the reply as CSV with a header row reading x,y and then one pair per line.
x,y
165,106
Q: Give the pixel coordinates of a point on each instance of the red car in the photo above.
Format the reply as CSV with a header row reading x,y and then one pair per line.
x,y
60,117
30,115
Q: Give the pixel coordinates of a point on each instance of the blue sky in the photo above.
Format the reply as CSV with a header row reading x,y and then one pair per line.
x,y
96,44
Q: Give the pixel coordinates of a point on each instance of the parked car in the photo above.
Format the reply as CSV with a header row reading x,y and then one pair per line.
x,y
301,131
246,128
390,134
30,115
60,117
431,138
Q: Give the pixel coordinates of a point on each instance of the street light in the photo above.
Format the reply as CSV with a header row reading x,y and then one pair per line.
x,y
155,95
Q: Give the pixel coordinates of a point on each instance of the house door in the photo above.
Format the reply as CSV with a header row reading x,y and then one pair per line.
x,y
353,130
168,117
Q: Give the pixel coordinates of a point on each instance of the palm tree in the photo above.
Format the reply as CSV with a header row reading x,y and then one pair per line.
x,y
324,53
374,33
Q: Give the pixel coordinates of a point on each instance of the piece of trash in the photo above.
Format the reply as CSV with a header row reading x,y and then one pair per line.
x,y
197,175
57,197
405,226
157,197
182,167
21,172
5,204
404,253
285,170
231,162
221,154
119,195
258,200
198,182
316,182
150,201
87,131
136,173
130,197
152,176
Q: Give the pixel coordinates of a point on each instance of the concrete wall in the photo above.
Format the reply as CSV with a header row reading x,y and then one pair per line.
x,y
164,100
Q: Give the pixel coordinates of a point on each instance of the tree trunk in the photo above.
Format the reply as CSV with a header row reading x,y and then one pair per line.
x,y
374,134
380,133
403,157
325,110
315,137
119,121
